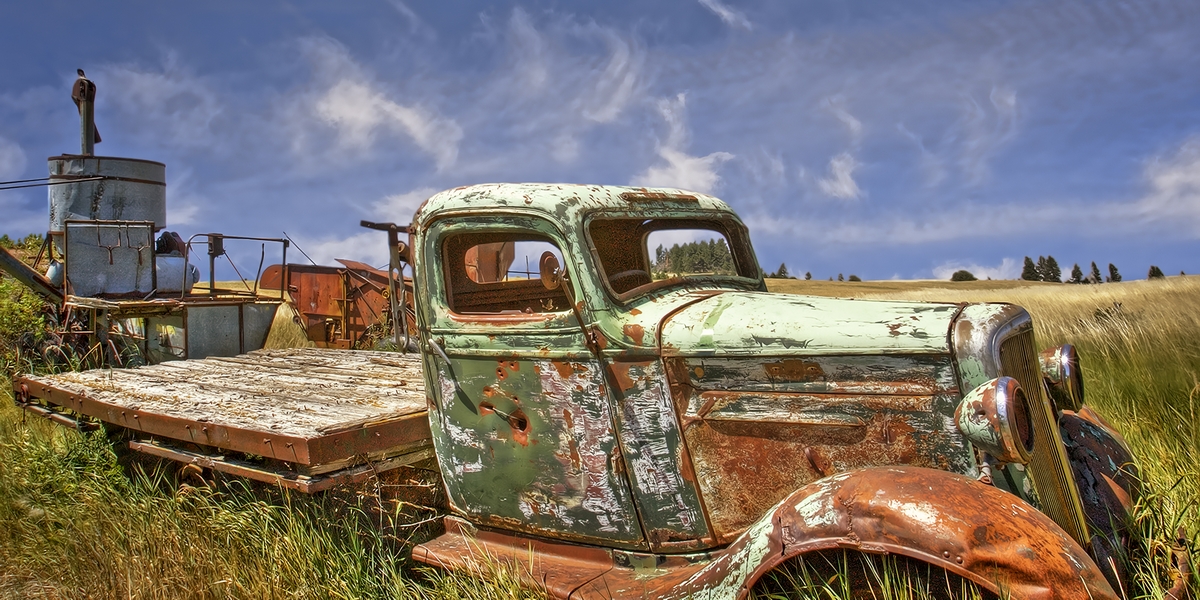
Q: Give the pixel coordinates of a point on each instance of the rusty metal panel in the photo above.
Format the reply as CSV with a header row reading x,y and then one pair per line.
x,y
336,305
759,429
557,567
304,406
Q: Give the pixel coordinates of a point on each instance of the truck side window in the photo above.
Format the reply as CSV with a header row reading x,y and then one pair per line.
x,y
497,273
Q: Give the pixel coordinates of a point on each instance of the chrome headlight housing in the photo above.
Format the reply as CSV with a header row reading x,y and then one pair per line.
x,y
1064,379
994,417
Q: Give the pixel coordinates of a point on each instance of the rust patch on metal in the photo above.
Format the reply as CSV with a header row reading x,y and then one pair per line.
x,y
620,371
791,369
563,367
634,332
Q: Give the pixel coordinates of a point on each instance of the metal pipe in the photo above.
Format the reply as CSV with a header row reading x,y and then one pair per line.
x,y
87,114
32,279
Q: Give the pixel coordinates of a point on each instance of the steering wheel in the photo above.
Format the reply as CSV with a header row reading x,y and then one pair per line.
x,y
627,280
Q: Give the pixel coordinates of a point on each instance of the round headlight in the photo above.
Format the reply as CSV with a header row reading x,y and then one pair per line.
x,y
1060,367
995,418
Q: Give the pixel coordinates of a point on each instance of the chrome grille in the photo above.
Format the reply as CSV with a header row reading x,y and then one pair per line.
x,y
1049,468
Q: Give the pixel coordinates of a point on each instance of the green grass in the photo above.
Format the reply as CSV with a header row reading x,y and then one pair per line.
x,y
75,523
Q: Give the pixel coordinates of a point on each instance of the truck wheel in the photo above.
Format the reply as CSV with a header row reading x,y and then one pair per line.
x,y
1108,484
850,574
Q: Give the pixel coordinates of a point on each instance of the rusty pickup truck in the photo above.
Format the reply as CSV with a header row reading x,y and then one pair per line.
x,y
619,406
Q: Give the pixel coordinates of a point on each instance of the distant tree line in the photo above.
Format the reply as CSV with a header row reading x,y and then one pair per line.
x,y
711,256
1046,269
782,273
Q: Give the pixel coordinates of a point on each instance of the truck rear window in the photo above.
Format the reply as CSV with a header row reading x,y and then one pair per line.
x,y
497,273
639,254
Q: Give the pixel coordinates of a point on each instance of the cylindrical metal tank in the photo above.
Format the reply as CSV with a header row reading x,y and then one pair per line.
x,y
173,272
132,190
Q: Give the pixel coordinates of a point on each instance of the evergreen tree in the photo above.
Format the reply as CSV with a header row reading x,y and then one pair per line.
x,y
1041,268
1052,272
1155,273
1094,277
807,275
1076,274
1029,272
782,273
1113,275
840,278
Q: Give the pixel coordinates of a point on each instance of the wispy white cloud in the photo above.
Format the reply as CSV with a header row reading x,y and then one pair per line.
x,y
170,102
840,182
359,109
986,130
12,160
617,84
186,202
1174,182
416,25
399,208
1009,268
369,247
933,166
680,169
529,53
837,106
560,80
359,112
731,16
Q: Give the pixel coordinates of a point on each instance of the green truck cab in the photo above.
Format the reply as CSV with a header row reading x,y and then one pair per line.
x,y
622,424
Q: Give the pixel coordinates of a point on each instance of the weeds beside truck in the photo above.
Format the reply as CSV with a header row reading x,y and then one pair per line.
x,y
620,426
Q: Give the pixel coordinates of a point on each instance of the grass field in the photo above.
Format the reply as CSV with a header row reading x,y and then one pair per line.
x,y
74,524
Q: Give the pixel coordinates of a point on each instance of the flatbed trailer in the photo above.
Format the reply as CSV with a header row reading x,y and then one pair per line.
x,y
305,418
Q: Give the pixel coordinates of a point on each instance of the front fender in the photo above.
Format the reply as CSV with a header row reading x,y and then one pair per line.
x,y
966,527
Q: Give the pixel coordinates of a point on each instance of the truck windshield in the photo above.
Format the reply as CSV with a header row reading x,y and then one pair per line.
x,y
638,255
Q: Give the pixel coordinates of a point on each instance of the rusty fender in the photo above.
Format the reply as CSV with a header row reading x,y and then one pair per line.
x,y
966,527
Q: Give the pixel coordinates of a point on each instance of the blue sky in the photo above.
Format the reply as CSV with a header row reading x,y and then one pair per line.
x,y
883,139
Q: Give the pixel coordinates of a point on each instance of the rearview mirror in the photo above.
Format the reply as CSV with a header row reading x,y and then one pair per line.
x,y
550,272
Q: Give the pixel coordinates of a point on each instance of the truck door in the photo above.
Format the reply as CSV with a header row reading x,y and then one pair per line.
x,y
523,426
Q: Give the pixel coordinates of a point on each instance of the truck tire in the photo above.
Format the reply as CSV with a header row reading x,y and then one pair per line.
x,y
1108,483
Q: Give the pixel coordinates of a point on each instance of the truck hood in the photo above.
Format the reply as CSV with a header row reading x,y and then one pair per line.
x,y
765,324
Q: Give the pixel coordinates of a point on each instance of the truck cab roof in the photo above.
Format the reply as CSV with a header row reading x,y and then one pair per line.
x,y
563,203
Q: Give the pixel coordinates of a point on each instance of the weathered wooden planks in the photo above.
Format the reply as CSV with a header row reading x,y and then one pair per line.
x,y
304,392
